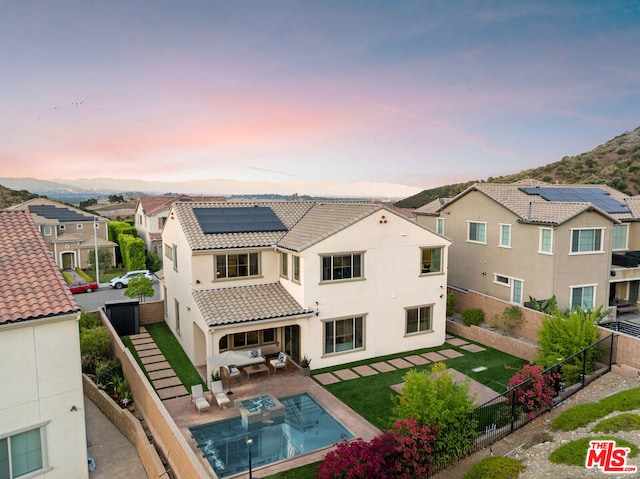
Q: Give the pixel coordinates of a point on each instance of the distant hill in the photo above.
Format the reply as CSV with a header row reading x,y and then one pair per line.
x,y
9,197
615,163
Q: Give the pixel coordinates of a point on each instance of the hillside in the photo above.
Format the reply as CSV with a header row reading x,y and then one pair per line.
x,y
9,197
615,163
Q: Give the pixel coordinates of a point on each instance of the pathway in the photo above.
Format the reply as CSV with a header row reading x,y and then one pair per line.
x,y
162,375
482,392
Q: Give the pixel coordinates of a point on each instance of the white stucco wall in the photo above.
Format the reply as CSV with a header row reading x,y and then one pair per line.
x,y
41,361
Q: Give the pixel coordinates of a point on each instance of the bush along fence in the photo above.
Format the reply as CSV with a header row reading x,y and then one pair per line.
x,y
536,391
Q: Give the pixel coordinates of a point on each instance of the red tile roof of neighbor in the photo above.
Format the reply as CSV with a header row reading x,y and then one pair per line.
x,y
31,286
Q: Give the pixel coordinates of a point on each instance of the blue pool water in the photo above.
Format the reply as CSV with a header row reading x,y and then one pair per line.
x,y
305,427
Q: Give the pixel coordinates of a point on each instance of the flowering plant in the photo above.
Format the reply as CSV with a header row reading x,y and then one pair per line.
x,y
533,391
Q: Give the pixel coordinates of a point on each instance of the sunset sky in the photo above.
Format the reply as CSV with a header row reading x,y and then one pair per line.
x,y
402,95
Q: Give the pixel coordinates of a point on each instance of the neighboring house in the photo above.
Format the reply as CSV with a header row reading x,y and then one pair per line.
x,y
151,213
534,239
336,282
42,423
70,233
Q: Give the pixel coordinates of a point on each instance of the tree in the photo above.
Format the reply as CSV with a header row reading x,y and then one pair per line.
x,y
153,262
116,199
140,287
437,400
104,258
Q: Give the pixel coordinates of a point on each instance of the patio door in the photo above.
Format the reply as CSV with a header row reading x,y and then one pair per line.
x,y
292,342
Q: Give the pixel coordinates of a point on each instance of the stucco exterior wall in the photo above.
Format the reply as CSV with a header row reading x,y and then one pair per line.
x,y
41,358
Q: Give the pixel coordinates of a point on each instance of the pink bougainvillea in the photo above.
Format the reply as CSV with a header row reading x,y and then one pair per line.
x,y
404,452
536,390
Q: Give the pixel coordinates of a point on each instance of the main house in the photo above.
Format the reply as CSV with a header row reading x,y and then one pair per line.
x,y
42,423
534,239
336,282
70,233
151,214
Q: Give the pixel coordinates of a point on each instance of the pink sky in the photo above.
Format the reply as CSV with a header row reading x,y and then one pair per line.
x,y
400,95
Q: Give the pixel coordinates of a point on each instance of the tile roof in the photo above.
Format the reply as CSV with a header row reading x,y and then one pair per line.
x,y
54,212
31,286
154,204
289,212
535,209
324,220
247,303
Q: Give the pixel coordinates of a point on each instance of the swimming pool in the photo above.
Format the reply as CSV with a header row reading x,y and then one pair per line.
x,y
304,427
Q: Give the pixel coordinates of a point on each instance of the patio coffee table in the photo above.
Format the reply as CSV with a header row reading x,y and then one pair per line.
x,y
256,368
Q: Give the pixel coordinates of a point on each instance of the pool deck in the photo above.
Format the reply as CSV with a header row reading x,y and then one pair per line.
x,y
284,383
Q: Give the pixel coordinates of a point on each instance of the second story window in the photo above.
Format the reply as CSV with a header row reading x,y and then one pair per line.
x,y
619,237
586,240
477,232
79,226
440,226
237,265
296,268
505,236
342,266
545,244
46,230
284,264
431,260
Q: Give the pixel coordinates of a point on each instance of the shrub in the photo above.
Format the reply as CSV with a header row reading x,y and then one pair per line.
x,y
472,316
106,369
621,422
510,319
451,304
94,346
536,390
574,453
577,416
89,320
404,452
449,410
495,467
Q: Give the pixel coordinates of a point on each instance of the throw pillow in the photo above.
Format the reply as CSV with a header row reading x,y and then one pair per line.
x,y
254,353
281,357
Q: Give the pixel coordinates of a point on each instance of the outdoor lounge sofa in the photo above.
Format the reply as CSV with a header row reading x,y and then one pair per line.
x,y
249,357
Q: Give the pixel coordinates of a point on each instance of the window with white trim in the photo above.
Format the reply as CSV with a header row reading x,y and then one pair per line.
x,y
583,296
296,268
342,335
505,236
79,226
418,320
21,454
241,265
504,280
46,230
619,237
440,226
175,257
586,240
431,260
342,266
545,240
477,232
284,264
516,290
177,310
168,251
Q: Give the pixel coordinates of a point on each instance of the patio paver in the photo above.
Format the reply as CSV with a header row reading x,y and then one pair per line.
x,y
142,347
346,374
433,356
144,340
400,363
157,366
457,341
148,352
173,392
162,373
382,367
473,348
365,370
326,378
152,359
167,382
450,353
417,359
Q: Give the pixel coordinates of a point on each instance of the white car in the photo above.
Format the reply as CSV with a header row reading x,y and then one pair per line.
x,y
122,281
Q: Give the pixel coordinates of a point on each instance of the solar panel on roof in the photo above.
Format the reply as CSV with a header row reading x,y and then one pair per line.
x,y
596,196
251,219
57,213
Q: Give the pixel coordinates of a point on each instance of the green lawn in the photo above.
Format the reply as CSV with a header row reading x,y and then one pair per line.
x,y
173,352
371,396
310,471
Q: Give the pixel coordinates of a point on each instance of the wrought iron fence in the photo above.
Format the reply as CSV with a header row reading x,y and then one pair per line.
x,y
504,414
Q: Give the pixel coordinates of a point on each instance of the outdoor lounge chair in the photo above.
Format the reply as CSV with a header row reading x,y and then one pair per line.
x,y
219,395
197,397
279,363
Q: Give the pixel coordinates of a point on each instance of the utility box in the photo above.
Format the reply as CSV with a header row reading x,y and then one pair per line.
x,y
124,316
